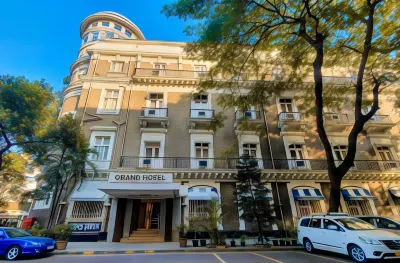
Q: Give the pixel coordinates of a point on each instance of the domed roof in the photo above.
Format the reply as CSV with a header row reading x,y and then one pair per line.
x,y
107,15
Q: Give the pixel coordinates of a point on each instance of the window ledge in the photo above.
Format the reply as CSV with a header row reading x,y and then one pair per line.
x,y
192,131
105,112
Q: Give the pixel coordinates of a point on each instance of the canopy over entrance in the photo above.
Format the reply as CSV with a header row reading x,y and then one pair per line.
x,y
144,191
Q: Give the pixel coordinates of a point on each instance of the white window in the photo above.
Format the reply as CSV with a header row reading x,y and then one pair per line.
x,y
340,152
111,100
197,208
95,36
160,69
156,100
250,149
297,154
117,66
87,209
385,153
200,71
358,207
102,147
43,203
286,105
296,151
201,149
200,107
152,149
308,207
201,99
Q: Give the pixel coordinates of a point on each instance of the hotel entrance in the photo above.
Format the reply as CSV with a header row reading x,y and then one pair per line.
x,y
149,214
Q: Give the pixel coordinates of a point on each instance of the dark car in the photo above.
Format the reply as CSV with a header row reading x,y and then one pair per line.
x,y
15,242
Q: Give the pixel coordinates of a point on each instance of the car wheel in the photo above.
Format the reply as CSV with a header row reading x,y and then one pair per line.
x,y
357,254
13,252
308,245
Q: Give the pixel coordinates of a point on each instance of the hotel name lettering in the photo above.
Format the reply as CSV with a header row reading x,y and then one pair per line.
x,y
140,178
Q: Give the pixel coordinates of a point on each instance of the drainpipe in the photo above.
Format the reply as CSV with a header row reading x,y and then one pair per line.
x,y
273,166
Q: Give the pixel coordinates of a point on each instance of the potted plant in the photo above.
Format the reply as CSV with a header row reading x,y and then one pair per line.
x,y
233,242
212,221
243,240
203,242
194,227
61,235
182,228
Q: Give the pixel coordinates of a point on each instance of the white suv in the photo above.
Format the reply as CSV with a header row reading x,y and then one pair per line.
x,y
337,232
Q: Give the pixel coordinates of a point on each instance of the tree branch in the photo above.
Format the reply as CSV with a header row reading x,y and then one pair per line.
x,y
353,49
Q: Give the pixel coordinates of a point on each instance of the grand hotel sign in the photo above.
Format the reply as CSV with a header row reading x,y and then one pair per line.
x,y
140,178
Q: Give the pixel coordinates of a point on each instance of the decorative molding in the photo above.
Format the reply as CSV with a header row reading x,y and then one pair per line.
x,y
96,117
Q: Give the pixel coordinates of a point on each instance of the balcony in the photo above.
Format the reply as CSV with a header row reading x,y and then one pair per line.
x,y
231,164
337,122
248,120
200,116
154,116
379,124
291,122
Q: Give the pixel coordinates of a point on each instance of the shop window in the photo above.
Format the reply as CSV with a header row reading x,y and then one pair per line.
x,y
87,209
358,207
308,207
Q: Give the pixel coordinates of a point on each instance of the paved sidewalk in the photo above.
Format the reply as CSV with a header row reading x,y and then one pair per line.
x,y
89,248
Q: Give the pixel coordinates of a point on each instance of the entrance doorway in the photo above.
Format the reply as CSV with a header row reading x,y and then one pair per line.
x,y
149,214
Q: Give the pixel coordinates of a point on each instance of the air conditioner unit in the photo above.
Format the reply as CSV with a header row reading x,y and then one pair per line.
x,y
202,114
300,164
152,112
203,164
146,163
247,114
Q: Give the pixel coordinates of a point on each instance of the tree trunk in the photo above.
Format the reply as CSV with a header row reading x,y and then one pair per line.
x,y
260,234
334,196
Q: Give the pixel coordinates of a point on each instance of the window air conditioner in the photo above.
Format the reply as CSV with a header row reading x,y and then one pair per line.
x,y
202,164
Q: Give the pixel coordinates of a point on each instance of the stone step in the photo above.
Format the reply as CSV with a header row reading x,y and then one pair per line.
x,y
144,234
142,240
144,237
147,230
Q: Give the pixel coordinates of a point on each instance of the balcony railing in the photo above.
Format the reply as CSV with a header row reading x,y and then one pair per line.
x,y
154,112
153,72
291,116
333,116
380,119
201,114
248,115
231,163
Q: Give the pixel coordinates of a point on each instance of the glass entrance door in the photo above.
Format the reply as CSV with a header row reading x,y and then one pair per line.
x,y
150,212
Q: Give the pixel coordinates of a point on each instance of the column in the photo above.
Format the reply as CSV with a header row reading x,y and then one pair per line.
x,y
218,187
111,221
162,217
128,218
176,218
69,211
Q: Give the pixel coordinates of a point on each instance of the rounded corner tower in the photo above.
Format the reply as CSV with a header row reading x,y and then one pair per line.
x,y
103,25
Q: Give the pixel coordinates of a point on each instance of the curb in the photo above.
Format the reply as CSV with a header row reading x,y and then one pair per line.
x,y
206,250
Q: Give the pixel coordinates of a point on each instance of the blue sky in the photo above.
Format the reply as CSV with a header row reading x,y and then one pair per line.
x,y
40,38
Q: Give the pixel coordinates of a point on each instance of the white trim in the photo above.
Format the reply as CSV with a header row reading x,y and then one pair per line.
x,y
103,164
152,137
251,139
201,138
74,93
287,140
103,128
101,101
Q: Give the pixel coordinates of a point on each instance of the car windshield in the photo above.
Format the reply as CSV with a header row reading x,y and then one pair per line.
x,y
354,224
15,232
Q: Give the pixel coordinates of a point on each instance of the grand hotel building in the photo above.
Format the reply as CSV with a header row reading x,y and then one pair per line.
x,y
157,164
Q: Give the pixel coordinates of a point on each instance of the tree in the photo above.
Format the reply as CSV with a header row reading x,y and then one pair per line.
x,y
252,196
64,163
212,221
27,111
12,178
246,39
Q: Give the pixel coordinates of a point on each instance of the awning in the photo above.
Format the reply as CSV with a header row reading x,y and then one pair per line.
x,y
91,195
203,193
395,191
307,194
356,193
143,190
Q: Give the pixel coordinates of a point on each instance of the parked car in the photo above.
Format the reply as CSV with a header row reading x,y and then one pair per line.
x,y
337,232
15,242
381,222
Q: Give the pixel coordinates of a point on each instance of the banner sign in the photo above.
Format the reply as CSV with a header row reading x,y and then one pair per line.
x,y
139,178
86,227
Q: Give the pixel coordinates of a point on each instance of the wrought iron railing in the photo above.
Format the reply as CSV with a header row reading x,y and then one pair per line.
x,y
174,73
248,115
201,114
290,116
232,163
333,116
154,112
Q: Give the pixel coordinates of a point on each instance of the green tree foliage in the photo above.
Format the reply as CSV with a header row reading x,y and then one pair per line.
x,y
27,111
64,162
248,40
252,196
212,221
12,178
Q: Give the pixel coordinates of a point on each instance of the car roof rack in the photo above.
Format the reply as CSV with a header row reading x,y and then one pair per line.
x,y
330,214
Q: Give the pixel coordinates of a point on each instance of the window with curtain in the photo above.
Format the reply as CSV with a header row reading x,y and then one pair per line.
x,y
101,146
111,100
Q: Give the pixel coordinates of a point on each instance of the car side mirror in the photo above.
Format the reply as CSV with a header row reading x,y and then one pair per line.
x,y
333,227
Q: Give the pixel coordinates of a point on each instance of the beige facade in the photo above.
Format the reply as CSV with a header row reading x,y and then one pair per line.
x,y
133,98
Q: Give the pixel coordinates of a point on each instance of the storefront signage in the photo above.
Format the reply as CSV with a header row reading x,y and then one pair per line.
x,y
86,227
140,178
